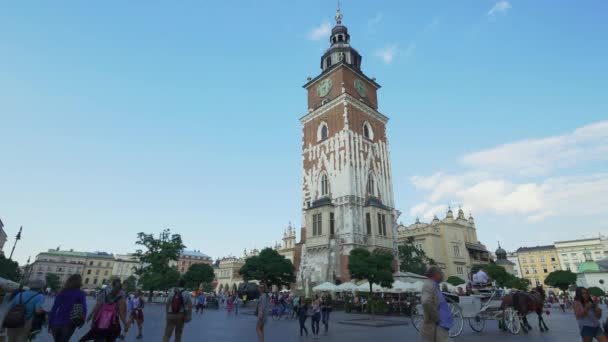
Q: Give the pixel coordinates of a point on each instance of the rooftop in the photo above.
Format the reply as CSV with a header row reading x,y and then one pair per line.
x,y
195,253
99,255
596,239
71,253
537,248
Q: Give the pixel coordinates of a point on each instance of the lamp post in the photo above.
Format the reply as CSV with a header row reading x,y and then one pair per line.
x,y
17,238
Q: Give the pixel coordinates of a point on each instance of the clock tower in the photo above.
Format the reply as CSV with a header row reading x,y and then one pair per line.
x,y
347,191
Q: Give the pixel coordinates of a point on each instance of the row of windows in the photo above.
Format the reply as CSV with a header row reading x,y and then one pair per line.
x,y
95,280
97,272
99,263
459,270
325,185
58,269
317,224
381,224
535,270
532,260
323,131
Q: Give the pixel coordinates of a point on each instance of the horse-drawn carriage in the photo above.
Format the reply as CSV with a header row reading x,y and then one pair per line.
x,y
484,303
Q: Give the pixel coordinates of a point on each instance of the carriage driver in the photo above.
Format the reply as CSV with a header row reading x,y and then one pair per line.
x,y
481,277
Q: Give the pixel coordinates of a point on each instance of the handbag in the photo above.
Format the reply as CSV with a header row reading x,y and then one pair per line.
x,y
77,315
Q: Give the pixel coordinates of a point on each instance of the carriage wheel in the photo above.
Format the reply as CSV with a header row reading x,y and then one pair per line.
x,y
456,329
417,318
477,323
512,321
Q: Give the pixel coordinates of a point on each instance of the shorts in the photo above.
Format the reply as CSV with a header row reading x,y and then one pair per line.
x,y
137,315
591,331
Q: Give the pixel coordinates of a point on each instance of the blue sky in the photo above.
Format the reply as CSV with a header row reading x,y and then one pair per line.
x,y
119,117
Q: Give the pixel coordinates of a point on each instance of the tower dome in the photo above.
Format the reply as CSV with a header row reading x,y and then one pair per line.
x,y
501,254
340,50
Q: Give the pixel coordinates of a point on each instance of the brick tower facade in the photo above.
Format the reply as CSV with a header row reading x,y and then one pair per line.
x,y
347,191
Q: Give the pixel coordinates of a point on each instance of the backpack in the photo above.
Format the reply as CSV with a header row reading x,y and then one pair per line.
x,y
15,317
77,314
106,316
177,302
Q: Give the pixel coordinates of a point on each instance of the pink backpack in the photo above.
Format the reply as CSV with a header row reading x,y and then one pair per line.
x,y
106,316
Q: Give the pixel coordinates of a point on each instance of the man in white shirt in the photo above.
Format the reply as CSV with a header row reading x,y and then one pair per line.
x,y
481,277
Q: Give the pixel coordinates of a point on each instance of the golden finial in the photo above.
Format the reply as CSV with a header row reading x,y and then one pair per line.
x,y
338,15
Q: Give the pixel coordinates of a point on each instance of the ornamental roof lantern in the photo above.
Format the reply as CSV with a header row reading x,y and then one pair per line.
x,y
340,50
461,214
449,214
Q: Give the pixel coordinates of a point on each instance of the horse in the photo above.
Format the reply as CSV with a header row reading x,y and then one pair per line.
x,y
525,303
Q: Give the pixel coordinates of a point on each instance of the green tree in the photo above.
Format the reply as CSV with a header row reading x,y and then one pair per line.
x,y
596,291
198,274
375,267
518,283
130,284
268,267
9,269
454,280
53,282
412,259
561,279
155,273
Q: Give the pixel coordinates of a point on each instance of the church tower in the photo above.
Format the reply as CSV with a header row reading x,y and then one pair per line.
x,y
347,191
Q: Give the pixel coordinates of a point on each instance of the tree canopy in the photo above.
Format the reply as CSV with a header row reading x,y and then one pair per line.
x,y
561,279
376,267
129,284
412,259
454,280
270,268
155,273
198,274
53,282
9,269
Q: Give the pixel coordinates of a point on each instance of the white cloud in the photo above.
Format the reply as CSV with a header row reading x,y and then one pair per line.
x,y
499,179
320,32
540,156
387,54
499,7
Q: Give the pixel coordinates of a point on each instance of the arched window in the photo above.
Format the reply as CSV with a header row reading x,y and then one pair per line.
x,y
322,131
370,185
324,185
367,131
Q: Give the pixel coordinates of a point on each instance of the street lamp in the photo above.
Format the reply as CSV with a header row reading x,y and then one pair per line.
x,y
17,238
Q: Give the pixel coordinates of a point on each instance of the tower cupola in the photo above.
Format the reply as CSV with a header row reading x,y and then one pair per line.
x,y
340,50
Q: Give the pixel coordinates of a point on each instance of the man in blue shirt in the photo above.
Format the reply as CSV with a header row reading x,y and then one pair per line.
x,y
33,300
438,318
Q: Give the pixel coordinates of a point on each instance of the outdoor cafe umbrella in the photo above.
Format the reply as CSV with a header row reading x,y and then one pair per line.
x,y
325,287
348,286
365,288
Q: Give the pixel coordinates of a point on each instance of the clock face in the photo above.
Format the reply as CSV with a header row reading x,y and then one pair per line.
x,y
324,87
360,87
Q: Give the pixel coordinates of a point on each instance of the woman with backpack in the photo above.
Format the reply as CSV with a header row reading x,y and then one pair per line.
x,y
110,309
69,310
22,308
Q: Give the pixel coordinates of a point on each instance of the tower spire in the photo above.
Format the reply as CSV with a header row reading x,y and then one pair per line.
x,y
338,15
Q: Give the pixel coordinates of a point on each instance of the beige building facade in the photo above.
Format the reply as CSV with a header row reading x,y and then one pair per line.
x,y
537,262
58,262
451,242
97,270
227,274
124,266
288,247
